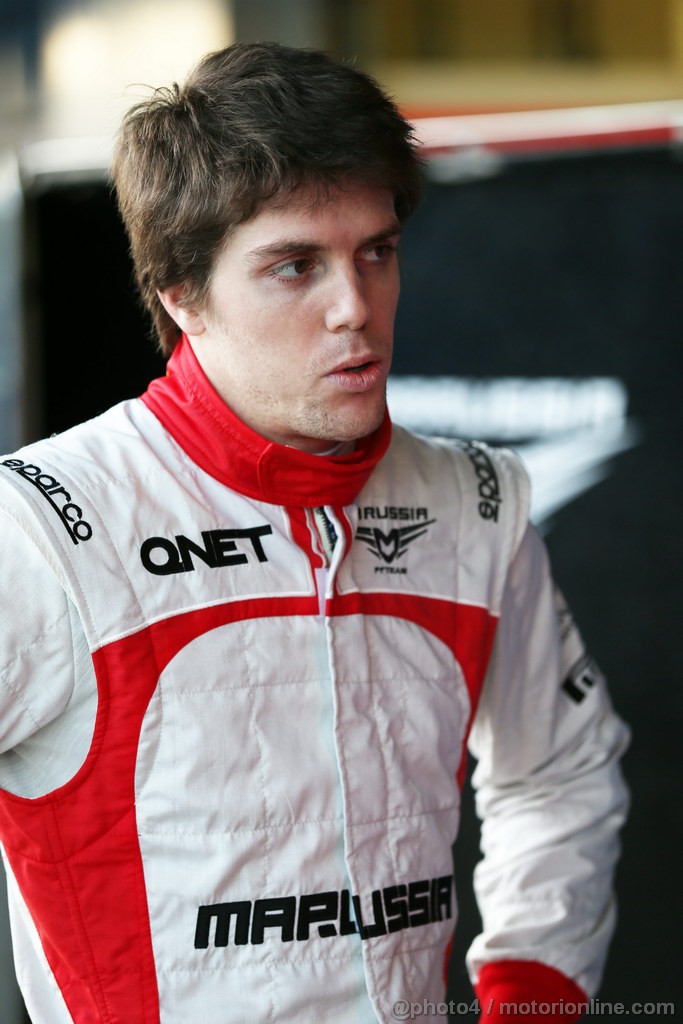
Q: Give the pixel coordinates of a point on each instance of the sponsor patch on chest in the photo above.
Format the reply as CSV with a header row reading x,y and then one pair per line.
x,y
164,556
386,541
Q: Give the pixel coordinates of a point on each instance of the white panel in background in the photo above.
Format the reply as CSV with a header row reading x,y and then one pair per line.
x,y
567,430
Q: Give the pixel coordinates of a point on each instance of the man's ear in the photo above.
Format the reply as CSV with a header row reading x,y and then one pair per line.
x,y
188,319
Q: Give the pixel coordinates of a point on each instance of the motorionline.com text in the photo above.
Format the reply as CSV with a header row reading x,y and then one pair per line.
x,y
403,1009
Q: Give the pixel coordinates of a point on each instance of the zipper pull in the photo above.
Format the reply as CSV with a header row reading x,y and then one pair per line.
x,y
328,534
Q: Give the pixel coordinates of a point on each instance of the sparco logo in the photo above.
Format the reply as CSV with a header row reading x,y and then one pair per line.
x,y
390,545
489,491
163,557
333,913
70,514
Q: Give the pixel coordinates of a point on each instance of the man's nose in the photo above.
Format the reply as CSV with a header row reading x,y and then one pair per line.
x,y
348,308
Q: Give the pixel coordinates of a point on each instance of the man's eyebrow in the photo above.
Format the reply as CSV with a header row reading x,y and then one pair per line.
x,y
305,247
390,231
285,247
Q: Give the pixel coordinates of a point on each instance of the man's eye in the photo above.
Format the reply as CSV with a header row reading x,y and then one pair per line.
x,y
295,268
378,253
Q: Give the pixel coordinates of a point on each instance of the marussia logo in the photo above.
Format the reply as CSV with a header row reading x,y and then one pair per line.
x,y
328,913
390,545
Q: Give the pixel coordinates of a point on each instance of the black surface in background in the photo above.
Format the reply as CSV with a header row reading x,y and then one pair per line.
x,y
559,268
95,345
574,268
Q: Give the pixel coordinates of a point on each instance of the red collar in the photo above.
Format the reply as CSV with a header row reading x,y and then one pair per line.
x,y
195,415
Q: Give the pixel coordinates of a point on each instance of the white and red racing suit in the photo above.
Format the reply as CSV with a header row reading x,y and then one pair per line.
x,y
237,682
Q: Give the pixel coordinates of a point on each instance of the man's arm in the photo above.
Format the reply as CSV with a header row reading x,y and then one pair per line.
x,y
551,799
47,691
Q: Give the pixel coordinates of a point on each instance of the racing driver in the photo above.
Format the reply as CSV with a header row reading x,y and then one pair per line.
x,y
250,628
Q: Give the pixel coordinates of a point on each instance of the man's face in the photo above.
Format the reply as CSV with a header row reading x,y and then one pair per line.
x,y
297,332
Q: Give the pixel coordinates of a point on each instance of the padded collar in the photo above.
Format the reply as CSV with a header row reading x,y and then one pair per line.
x,y
212,435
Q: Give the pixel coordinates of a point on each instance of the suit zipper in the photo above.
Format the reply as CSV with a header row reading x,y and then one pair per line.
x,y
328,535
328,539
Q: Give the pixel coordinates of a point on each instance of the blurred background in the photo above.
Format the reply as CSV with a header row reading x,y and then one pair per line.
x,y
542,307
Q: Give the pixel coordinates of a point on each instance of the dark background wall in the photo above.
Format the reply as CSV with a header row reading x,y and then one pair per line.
x,y
573,268
557,267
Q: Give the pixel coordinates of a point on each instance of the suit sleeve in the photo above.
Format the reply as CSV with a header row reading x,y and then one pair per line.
x,y
551,799
48,694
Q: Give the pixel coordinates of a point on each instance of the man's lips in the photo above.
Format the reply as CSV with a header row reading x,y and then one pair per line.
x,y
358,374
355,364
357,369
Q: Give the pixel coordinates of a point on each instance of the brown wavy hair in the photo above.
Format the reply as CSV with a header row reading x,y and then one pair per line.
x,y
251,124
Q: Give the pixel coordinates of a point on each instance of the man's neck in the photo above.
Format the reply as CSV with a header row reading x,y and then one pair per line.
x,y
340,448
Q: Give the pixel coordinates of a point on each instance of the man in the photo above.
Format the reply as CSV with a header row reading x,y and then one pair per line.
x,y
233,731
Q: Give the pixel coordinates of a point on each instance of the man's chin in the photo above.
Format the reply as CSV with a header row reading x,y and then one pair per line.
x,y
341,425
359,424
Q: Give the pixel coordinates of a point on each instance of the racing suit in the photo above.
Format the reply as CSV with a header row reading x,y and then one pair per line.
x,y
234,718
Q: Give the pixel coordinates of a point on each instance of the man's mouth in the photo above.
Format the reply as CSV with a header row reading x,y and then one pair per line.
x,y
363,363
359,377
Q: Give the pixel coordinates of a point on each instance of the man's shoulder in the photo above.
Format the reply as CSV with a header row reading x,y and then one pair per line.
x,y
474,464
90,447
483,490
60,474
